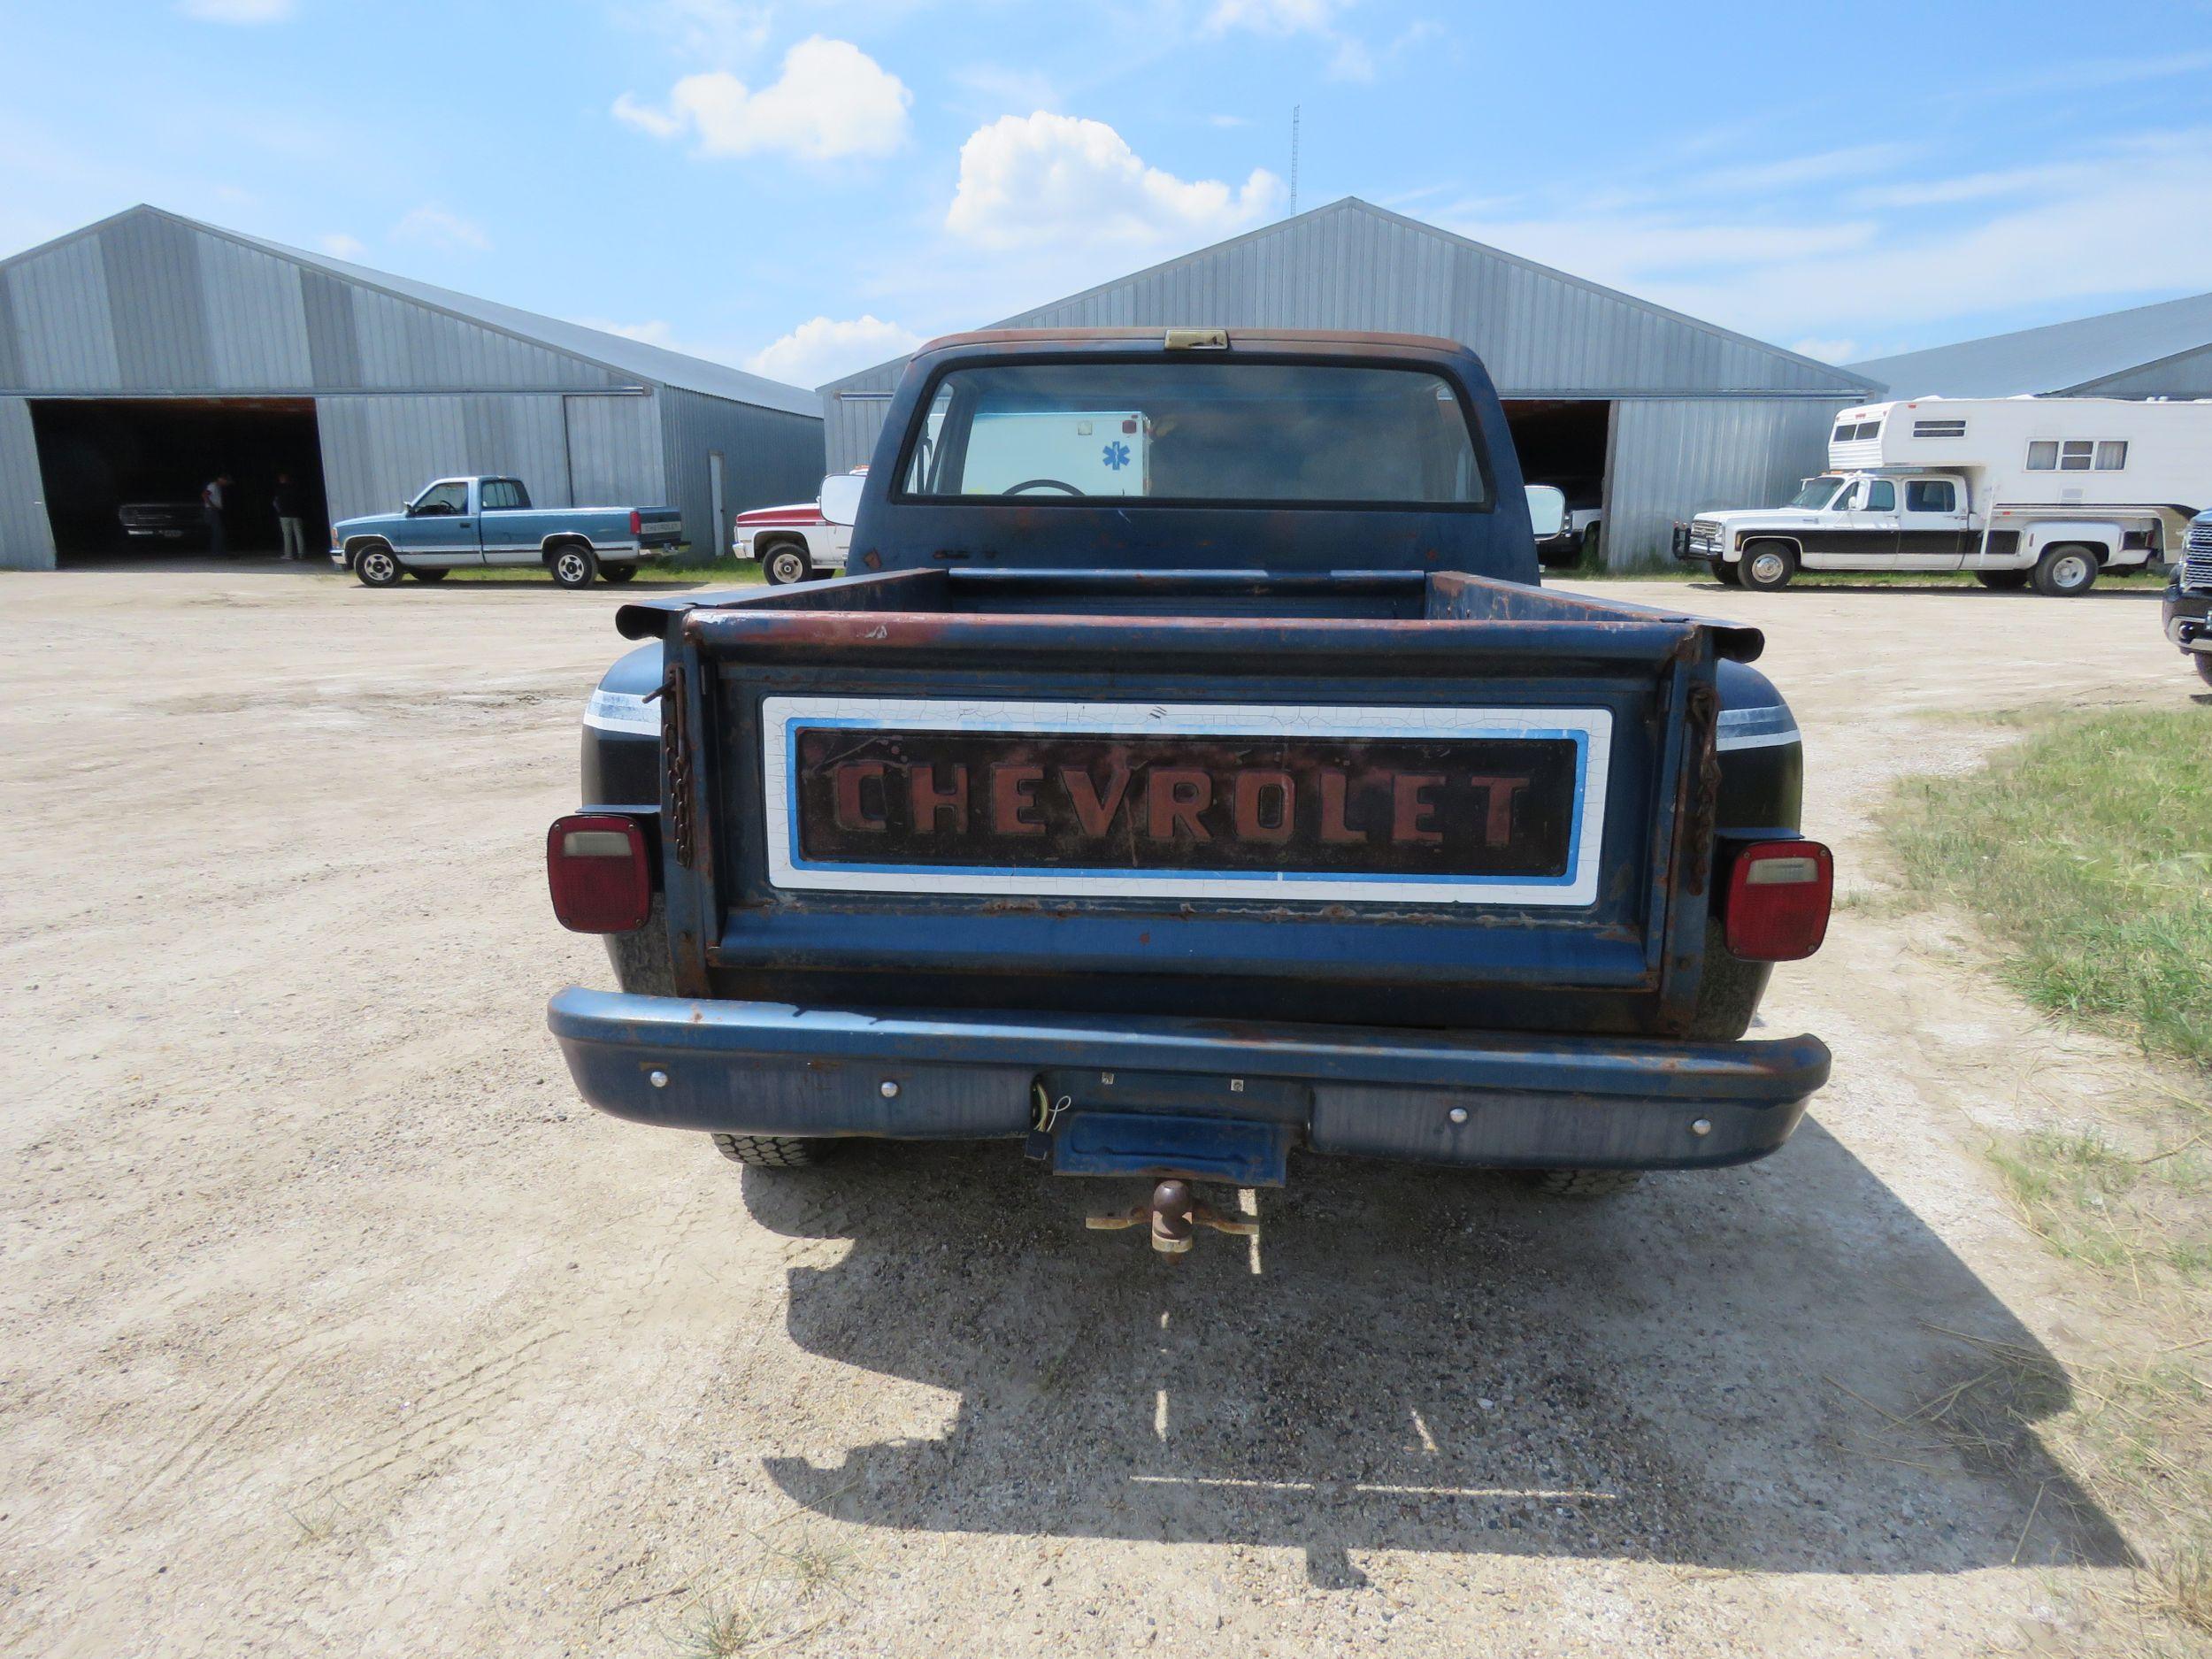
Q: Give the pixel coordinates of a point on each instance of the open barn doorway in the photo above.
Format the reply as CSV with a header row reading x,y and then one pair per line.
x,y
122,476
1562,442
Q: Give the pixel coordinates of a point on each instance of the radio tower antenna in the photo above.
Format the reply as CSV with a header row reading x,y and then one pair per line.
x,y
1293,160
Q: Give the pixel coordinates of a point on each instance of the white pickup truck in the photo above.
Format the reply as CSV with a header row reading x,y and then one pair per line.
x,y
793,542
2047,490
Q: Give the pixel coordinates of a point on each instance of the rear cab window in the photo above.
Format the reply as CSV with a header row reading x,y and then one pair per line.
x,y
1200,433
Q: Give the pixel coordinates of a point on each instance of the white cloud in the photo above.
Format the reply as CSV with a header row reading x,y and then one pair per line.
x,y
341,246
832,100
237,10
1228,120
1057,179
823,348
439,228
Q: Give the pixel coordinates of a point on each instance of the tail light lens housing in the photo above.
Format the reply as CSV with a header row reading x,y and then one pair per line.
x,y
596,866
637,522
1779,894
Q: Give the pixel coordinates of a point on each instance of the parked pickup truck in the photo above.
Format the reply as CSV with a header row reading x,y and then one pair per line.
x,y
1135,826
2188,607
2048,491
467,523
802,538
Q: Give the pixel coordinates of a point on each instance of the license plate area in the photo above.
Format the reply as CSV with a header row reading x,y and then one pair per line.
x,y
1192,800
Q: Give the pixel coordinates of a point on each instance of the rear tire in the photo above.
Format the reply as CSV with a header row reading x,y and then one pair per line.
x,y
430,576
2064,570
643,967
769,1152
1767,565
376,565
1586,1183
2003,581
786,563
573,565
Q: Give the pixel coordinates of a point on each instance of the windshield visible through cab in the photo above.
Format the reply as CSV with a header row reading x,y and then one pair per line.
x,y
1210,433
1817,493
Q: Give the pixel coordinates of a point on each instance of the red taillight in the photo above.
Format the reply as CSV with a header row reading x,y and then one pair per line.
x,y
637,522
1776,909
596,864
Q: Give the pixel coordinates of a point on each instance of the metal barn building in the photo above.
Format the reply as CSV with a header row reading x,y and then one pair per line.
x,y
2162,350
141,355
1629,407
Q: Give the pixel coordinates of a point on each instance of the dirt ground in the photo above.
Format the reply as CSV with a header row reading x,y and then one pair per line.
x,y
331,1321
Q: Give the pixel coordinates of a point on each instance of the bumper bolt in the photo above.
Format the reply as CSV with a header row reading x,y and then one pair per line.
x,y
657,1078
888,1089
1701,1126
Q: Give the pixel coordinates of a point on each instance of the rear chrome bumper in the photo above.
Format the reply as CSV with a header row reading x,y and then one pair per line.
x,y
1479,1100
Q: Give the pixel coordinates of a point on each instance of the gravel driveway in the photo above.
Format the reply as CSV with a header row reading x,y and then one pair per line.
x,y
333,1323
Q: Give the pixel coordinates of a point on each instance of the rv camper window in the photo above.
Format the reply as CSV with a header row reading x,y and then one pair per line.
x,y
1931,495
1939,428
1881,496
1870,429
2043,456
2112,455
1844,434
2073,455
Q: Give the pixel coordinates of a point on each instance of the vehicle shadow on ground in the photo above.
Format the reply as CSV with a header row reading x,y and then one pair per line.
x,y
1754,1368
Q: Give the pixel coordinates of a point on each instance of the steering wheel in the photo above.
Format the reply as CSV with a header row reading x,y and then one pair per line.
x,y
1028,484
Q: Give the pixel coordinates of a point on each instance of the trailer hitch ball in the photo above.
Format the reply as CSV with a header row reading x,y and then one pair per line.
x,y
1172,1216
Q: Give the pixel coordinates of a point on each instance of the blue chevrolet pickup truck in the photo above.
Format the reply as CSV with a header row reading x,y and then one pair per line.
x,y
1192,774
469,522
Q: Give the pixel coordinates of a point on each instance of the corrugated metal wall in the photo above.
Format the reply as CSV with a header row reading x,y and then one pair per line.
x,y
768,456
378,451
1673,456
614,451
27,541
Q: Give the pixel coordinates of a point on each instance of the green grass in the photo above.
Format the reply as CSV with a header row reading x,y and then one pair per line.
x,y
2086,851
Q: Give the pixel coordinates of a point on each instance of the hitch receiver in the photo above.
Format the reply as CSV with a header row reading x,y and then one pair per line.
x,y
1173,1214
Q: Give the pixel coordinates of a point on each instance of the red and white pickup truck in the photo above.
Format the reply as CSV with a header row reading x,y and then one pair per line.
x,y
793,542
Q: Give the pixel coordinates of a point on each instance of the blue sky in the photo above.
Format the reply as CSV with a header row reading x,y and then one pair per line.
x,y
806,186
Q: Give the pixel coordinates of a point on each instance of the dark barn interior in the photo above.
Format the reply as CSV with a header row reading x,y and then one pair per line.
x,y
96,455
1562,442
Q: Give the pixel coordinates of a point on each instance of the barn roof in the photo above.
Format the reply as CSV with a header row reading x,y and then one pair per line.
x,y
634,359
2075,357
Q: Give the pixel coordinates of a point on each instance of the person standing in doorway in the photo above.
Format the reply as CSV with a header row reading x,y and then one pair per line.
x,y
212,509
286,504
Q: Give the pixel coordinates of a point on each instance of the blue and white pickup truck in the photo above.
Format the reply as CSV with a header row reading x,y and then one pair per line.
x,y
1218,787
467,523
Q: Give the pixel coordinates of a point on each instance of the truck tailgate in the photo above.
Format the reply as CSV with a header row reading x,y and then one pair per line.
x,y
1418,801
